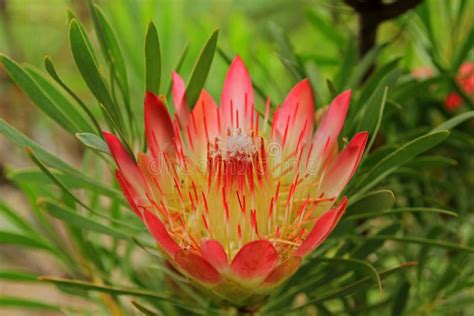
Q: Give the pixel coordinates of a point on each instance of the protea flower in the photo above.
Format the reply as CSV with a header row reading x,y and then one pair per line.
x,y
235,202
465,80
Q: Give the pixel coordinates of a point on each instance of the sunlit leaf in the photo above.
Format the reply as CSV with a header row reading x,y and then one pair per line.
x,y
93,142
152,60
201,70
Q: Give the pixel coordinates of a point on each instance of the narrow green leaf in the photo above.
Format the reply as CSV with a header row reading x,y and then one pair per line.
x,y
14,218
89,70
373,202
201,70
421,241
111,50
152,60
93,142
374,80
402,155
378,121
401,210
73,218
332,89
351,288
23,303
286,52
372,245
430,162
69,194
401,299
462,54
37,95
49,66
322,26
356,262
364,65
346,66
18,276
9,238
144,310
114,290
72,181
455,121
59,98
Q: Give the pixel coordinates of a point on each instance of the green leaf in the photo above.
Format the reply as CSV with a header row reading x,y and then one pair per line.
x,y
73,218
111,50
22,141
352,287
9,238
37,94
72,181
49,66
114,290
364,65
462,54
400,156
372,106
18,276
401,210
332,89
373,202
346,65
14,218
58,98
375,79
430,162
86,63
71,195
401,299
201,70
93,142
152,60
144,310
455,121
372,245
286,53
23,303
350,262
327,29
421,241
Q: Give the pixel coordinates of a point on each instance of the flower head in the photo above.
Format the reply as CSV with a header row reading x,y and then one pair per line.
x,y
465,80
235,202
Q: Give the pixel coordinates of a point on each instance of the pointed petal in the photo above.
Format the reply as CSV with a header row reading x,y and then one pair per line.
x,y
344,166
255,260
331,125
298,113
237,100
321,230
124,162
196,267
203,124
179,99
128,192
282,272
158,126
213,252
158,230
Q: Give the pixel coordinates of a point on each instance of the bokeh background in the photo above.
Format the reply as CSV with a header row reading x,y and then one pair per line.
x,y
281,41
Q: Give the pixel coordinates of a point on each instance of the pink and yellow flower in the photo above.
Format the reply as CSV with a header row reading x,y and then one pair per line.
x,y
234,200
